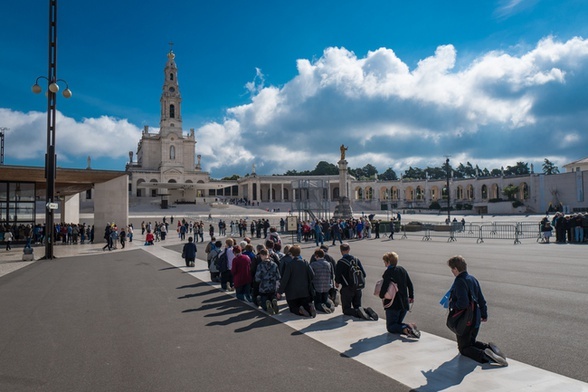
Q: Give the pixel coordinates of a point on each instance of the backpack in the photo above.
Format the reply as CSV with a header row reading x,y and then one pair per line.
x,y
222,262
354,276
213,260
275,238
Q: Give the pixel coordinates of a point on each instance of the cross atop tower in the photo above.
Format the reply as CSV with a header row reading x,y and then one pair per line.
x,y
171,44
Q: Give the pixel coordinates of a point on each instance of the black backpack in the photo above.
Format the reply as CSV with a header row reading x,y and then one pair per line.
x,y
222,262
354,276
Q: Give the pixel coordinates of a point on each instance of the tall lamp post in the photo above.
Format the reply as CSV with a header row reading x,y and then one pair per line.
x,y
2,130
448,192
50,157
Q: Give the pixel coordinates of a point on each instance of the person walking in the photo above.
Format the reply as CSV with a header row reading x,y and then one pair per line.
x,y
122,237
466,288
396,309
189,252
8,239
107,237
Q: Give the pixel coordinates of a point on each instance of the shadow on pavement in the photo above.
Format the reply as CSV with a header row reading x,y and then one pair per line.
x,y
323,325
368,344
448,374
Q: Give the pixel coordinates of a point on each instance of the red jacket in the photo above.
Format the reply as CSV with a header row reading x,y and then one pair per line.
x,y
241,270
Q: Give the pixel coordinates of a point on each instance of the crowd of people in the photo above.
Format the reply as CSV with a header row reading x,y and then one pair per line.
x,y
65,233
339,230
571,229
265,274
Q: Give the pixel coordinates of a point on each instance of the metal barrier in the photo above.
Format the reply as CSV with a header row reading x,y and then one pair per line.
x,y
514,231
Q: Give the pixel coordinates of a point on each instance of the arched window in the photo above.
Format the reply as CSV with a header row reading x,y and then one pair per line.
x,y
395,193
470,192
172,111
484,192
172,153
524,189
171,76
459,192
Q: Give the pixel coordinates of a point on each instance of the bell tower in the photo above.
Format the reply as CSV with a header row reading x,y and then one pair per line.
x,y
171,100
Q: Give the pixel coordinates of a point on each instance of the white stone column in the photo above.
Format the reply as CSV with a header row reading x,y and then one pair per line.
x,y
111,204
70,209
343,190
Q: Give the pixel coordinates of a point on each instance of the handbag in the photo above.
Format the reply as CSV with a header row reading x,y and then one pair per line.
x,y
390,293
458,321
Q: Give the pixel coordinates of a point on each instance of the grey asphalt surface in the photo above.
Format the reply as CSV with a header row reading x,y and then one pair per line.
x,y
127,321
537,294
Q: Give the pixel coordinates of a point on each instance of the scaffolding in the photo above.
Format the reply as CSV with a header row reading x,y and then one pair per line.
x,y
311,199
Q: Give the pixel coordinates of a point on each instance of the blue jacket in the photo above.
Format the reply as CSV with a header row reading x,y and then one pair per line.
x,y
464,286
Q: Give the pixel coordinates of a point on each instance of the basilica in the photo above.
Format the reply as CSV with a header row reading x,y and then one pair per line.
x,y
166,170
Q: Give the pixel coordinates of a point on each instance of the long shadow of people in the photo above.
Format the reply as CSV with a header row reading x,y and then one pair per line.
x,y
368,344
322,325
448,374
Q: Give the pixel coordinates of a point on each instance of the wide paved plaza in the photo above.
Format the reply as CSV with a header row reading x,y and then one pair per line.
x,y
138,320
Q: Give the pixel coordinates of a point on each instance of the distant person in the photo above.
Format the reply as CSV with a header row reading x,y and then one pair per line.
x,y
149,238
189,252
8,239
465,288
546,230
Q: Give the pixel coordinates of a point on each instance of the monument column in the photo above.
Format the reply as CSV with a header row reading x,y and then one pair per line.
x,y
343,208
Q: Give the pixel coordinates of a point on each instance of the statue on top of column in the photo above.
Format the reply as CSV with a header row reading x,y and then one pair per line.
x,y
343,149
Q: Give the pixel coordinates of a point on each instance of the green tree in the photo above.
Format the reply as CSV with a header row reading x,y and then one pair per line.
x,y
388,175
510,191
234,177
521,168
364,173
370,170
549,167
436,173
414,173
324,169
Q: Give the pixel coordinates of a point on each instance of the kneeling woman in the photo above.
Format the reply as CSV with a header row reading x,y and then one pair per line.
x,y
396,311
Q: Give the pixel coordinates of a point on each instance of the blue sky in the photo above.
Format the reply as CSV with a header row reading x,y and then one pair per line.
x,y
284,84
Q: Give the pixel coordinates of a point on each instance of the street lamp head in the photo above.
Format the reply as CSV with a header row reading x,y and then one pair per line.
x,y
53,87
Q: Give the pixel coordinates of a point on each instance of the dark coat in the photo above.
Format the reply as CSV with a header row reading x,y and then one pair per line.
x,y
189,251
405,287
297,279
465,286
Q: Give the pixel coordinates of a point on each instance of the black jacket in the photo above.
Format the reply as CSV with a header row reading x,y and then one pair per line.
x,y
405,287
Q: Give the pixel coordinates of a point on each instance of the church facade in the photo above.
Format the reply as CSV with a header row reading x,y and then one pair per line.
x,y
167,170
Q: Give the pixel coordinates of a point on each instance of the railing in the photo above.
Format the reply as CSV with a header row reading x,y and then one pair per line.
x,y
455,231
